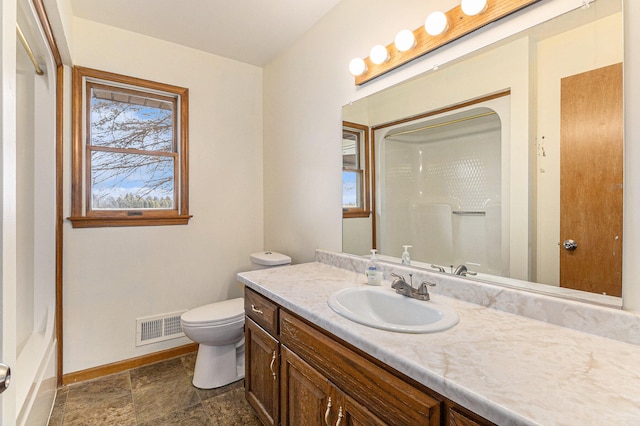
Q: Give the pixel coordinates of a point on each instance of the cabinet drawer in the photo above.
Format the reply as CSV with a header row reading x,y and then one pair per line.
x,y
390,398
261,310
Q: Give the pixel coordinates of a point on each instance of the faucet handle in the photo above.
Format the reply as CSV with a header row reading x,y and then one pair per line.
x,y
398,277
423,287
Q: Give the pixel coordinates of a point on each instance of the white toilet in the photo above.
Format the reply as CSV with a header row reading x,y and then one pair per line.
x,y
218,328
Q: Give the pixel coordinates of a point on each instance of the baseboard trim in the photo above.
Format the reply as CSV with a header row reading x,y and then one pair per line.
x,y
127,364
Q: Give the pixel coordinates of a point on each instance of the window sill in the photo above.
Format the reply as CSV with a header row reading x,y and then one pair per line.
x,y
350,214
103,222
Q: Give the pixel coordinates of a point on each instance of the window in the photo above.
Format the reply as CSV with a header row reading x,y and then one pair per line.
x,y
355,170
130,151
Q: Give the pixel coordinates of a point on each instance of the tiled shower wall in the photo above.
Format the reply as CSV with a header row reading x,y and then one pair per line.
x,y
442,195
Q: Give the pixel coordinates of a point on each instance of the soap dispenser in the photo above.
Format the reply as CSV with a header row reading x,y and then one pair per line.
x,y
406,259
373,272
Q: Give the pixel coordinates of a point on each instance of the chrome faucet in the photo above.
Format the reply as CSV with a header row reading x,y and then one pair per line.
x,y
401,286
463,271
438,268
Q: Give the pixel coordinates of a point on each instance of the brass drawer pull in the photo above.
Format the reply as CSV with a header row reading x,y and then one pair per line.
x,y
273,361
340,416
326,413
256,310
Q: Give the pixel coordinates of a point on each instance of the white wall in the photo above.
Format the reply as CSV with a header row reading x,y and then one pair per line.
x,y
307,85
114,275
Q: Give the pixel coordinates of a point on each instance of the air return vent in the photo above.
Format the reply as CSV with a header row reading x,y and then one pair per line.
x,y
158,328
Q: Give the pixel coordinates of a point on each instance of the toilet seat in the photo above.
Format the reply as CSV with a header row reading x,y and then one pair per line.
x,y
213,314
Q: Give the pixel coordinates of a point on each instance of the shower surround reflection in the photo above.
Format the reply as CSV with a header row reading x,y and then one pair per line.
x,y
441,190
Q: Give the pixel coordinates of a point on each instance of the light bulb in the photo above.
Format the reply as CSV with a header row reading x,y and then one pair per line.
x,y
379,54
473,7
405,40
436,23
357,67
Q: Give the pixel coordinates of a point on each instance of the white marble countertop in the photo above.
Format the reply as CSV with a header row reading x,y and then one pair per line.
x,y
507,368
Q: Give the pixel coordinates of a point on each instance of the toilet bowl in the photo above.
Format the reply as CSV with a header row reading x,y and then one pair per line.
x,y
218,328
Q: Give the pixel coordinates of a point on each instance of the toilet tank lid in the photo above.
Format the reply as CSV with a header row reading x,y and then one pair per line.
x,y
270,258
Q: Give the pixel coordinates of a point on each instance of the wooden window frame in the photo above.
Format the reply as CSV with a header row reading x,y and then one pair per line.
x,y
365,210
82,216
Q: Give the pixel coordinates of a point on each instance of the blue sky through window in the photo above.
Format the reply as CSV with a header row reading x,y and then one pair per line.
x,y
125,127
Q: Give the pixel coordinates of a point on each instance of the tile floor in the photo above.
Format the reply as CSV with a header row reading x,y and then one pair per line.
x,y
156,394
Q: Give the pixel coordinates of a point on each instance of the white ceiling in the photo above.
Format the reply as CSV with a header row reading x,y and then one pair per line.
x,y
250,31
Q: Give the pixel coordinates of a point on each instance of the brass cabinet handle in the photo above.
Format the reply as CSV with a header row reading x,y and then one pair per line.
x,y
256,310
273,361
340,415
326,413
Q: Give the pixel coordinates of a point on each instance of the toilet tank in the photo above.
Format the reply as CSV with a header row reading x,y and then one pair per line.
x,y
268,259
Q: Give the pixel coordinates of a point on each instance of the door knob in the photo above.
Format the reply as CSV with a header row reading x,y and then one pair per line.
x,y
5,377
570,245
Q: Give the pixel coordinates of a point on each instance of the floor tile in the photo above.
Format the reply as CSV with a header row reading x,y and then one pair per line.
x,y
110,411
231,409
205,394
193,416
97,390
159,372
58,407
189,363
161,398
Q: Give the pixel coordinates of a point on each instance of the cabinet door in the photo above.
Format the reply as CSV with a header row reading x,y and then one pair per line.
x,y
308,398
262,380
305,393
351,413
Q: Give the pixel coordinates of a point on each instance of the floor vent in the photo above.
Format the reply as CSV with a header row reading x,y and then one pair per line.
x,y
158,328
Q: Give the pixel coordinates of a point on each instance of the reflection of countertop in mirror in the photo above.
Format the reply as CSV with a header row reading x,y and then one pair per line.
x,y
548,289
505,367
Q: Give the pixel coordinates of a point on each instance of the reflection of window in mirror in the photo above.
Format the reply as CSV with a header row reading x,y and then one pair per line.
x,y
355,170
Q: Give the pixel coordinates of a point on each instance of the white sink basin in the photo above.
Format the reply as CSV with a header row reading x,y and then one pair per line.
x,y
383,308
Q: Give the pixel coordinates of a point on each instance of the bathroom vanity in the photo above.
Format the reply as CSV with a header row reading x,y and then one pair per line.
x,y
305,364
303,373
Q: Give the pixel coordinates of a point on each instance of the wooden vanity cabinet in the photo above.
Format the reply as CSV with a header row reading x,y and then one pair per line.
x,y
297,374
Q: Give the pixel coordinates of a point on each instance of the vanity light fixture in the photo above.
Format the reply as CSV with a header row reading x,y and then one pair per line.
x,y
436,23
473,7
439,29
357,67
405,40
379,54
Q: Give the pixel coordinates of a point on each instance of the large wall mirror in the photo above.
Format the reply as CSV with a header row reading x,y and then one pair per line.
x,y
507,161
